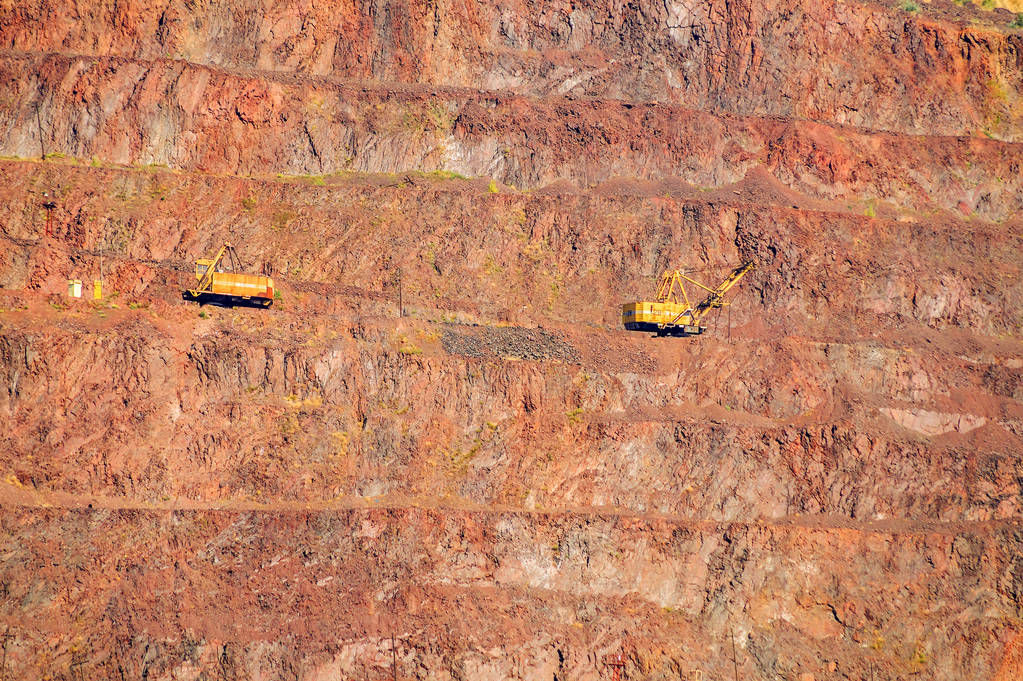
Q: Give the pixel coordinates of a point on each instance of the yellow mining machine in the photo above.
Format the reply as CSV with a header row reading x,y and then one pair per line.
x,y
672,314
228,288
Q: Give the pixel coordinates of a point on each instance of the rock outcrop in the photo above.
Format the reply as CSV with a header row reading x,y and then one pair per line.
x,y
501,483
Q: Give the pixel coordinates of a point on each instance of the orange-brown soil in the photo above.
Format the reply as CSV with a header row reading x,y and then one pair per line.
x,y
503,483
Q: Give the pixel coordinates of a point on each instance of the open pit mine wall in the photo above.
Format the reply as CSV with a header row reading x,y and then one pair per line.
x,y
242,415
566,258
813,477
498,595
859,63
193,117
273,495
404,420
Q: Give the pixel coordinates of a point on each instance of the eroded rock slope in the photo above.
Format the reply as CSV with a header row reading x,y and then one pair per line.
x,y
502,483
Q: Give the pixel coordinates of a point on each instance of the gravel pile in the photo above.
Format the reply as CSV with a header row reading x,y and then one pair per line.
x,y
511,341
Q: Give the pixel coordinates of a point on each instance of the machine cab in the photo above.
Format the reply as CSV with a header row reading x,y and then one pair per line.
x,y
202,265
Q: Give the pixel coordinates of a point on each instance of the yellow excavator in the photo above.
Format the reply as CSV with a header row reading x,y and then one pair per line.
x,y
672,314
218,287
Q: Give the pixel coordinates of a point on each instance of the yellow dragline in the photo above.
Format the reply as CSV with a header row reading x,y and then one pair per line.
x,y
672,314
214,285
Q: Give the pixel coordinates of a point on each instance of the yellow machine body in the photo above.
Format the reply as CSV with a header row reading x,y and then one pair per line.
x,y
637,315
214,285
241,285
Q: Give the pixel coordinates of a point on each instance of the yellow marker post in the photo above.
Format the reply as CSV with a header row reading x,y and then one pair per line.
x,y
97,289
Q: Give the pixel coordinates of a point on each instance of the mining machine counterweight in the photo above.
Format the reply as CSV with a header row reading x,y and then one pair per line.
x,y
672,313
219,287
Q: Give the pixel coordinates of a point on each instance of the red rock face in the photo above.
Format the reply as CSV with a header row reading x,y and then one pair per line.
x,y
859,63
502,483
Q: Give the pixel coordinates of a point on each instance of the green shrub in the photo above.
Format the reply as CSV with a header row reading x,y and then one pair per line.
x,y
446,175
